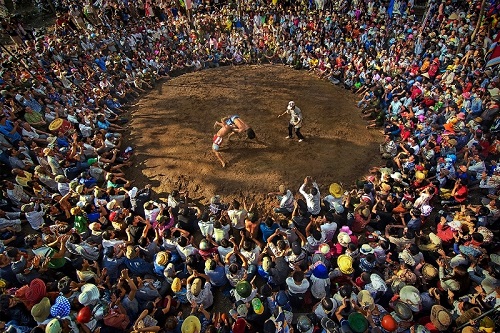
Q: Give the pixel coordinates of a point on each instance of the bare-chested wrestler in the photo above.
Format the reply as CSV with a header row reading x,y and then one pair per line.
x,y
223,132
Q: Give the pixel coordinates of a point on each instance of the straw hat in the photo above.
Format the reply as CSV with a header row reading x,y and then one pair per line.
x,y
191,325
343,239
345,264
366,300
366,249
440,317
429,272
161,258
336,190
411,296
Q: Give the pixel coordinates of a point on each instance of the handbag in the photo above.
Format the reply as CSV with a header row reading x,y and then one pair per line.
x,y
117,320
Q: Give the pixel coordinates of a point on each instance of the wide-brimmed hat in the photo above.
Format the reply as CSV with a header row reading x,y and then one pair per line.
x,y
357,322
89,294
378,282
365,299
41,310
191,325
346,229
403,310
343,239
411,296
366,249
336,190
440,317
429,272
345,264
161,258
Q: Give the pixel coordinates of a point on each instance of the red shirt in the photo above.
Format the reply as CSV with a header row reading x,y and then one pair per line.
x,y
445,233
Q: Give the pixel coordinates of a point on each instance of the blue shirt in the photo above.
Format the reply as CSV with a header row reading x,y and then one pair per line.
x,y
217,276
139,266
414,224
6,129
113,266
267,231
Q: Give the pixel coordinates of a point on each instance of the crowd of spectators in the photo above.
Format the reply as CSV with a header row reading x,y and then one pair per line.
x,y
412,247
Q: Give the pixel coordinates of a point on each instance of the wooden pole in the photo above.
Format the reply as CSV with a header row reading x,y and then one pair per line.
x,y
479,20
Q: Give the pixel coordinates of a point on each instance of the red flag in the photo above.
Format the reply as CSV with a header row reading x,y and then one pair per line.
x,y
494,52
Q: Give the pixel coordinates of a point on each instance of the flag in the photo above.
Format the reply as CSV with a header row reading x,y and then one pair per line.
x,y
494,52
189,4
390,8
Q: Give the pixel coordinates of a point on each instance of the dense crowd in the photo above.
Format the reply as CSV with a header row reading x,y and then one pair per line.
x,y
412,247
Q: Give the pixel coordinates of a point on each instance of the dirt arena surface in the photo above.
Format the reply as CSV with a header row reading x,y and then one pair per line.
x,y
173,126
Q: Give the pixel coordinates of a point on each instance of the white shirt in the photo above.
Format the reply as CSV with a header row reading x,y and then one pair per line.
x,y
313,201
237,218
35,219
297,289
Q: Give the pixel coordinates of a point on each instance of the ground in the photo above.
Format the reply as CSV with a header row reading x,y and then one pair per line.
x,y
173,126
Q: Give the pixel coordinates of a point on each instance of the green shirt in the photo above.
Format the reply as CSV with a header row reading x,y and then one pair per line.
x,y
47,252
81,224
33,117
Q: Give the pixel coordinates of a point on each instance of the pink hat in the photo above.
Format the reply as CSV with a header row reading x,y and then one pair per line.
x,y
461,115
346,230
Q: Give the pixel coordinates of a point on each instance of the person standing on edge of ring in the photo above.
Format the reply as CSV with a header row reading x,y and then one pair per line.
x,y
296,120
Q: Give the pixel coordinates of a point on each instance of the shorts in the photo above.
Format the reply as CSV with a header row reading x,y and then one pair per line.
x,y
230,120
217,141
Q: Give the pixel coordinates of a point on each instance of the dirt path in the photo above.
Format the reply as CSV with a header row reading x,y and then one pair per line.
x,y
172,133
